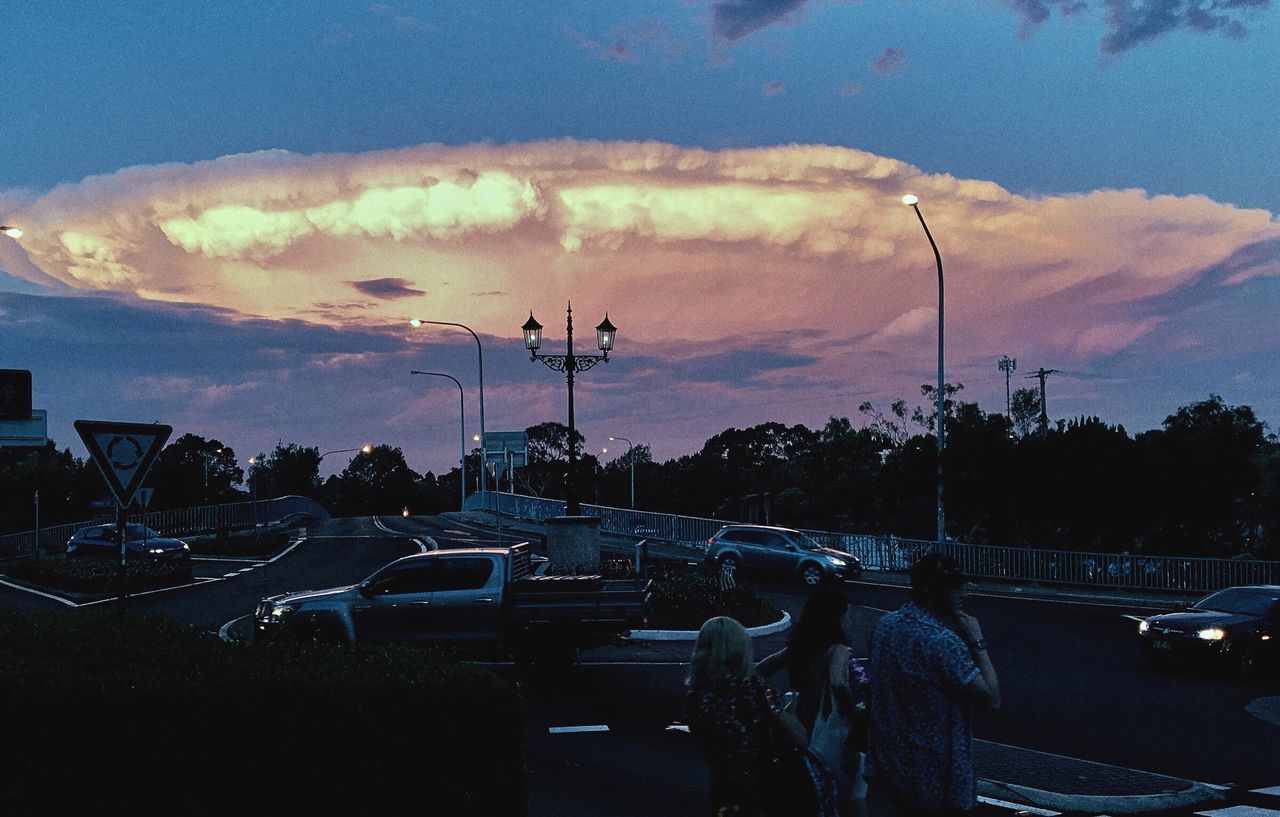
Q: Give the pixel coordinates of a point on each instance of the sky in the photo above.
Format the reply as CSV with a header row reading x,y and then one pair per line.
x,y
232,211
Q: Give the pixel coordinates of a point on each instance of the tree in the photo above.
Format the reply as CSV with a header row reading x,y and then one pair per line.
x,y
287,471
65,483
193,471
379,482
1025,407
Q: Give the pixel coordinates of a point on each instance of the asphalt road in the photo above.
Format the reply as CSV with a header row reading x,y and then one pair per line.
x,y
1070,676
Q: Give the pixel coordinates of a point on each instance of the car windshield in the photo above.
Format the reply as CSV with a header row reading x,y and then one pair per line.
x,y
1234,600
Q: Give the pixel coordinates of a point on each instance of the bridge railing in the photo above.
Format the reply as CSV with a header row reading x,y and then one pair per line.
x,y
877,552
175,522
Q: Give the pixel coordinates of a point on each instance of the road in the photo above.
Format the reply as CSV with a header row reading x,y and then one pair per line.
x,y
1071,681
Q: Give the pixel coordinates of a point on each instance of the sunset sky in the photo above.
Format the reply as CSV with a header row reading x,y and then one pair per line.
x,y
232,210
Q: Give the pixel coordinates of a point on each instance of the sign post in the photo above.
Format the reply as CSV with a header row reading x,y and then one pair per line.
x,y
124,453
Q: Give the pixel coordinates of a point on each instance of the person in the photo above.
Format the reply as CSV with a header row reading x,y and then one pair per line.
x,y
928,666
732,712
819,662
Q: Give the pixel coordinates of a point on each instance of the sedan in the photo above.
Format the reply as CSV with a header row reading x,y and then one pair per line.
x,y
1238,627
140,541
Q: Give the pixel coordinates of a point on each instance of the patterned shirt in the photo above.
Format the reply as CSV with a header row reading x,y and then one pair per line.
x,y
733,719
921,732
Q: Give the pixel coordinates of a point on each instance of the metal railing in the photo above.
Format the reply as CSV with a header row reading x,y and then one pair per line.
x,y
176,522
876,552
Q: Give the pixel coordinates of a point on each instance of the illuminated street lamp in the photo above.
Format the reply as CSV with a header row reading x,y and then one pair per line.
x,y
570,364
12,232
462,433
484,497
914,203
633,468
364,449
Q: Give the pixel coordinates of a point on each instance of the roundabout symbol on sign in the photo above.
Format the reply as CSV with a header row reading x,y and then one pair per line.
x,y
125,460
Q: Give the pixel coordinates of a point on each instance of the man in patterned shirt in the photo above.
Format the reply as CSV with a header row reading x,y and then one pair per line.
x,y
928,666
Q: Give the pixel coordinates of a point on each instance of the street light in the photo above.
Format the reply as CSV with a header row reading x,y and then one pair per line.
x,y
914,203
633,468
364,449
570,364
253,486
416,322
462,433
12,232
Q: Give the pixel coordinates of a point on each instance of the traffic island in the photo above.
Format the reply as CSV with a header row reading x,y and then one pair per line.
x,y
573,544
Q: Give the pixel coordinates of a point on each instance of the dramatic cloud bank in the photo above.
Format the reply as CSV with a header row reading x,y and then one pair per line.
x,y
782,275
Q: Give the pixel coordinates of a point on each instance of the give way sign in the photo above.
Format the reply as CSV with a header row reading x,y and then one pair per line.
x,y
123,452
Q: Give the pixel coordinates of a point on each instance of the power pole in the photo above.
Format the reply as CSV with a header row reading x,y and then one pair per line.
x,y
1042,373
1007,365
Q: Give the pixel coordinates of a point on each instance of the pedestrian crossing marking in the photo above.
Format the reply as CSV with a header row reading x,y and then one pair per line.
x,y
569,730
1240,811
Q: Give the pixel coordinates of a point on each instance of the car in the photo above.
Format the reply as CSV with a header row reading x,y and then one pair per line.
x,y
779,550
1238,627
140,541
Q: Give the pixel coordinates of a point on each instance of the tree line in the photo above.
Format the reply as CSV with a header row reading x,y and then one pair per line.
x,y
1207,482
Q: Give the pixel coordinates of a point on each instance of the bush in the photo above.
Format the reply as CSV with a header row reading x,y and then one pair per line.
x,y
138,711
683,599
97,574
254,543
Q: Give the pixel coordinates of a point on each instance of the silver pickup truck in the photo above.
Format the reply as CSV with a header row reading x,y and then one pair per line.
x,y
479,599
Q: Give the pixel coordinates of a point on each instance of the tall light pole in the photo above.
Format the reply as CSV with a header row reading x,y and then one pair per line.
x,y
633,468
462,434
253,486
570,364
484,496
1008,365
364,449
914,203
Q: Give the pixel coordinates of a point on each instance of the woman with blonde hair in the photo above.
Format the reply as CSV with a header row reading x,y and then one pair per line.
x,y
756,752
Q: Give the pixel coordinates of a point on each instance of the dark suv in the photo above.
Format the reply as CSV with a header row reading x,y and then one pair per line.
x,y
780,550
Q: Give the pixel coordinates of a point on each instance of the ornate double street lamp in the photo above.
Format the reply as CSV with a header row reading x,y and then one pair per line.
x,y
914,203
462,433
570,364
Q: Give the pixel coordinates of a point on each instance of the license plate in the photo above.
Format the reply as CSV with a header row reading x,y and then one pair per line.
x,y
1161,645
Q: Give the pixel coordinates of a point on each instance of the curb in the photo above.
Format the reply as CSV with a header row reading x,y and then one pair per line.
x,y
692,635
1195,794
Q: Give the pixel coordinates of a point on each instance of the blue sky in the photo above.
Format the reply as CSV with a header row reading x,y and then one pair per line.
x,y
265,170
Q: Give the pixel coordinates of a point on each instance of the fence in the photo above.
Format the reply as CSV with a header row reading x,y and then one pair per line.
x,y
1067,567
177,522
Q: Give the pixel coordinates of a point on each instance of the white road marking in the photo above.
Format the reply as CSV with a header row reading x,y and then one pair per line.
x,y
67,602
230,575
286,551
111,599
1273,791
678,727
1018,807
246,569
569,730
1239,811
225,630
238,560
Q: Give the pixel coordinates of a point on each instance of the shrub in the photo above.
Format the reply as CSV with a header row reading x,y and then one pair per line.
x,y
137,711
96,574
683,599
255,542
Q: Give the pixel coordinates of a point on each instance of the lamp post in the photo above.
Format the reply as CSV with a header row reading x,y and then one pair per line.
x,y
570,364
914,203
364,449
484,496
462,435
633,468
253,486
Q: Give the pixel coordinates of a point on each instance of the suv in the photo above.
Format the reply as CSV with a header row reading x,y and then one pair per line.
x,y
779,550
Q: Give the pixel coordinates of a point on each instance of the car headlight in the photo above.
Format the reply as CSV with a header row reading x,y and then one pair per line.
x,y
1143,626
280,611
156,551
836,561
1212,634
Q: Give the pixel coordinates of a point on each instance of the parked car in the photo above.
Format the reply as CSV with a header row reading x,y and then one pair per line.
x,y
779,550
487,600
140,541
1238,627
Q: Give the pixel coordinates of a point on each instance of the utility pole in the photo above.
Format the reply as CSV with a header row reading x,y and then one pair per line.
x,y
1042,373
1007,365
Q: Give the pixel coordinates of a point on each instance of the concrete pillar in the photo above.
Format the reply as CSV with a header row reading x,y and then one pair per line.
x,y
573,544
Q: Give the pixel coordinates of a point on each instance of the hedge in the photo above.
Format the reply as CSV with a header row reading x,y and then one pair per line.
x,y
136,712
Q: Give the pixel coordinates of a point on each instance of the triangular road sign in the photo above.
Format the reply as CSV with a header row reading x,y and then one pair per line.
x,y
123,452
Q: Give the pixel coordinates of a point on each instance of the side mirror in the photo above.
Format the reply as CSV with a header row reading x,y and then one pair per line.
x,y
365,590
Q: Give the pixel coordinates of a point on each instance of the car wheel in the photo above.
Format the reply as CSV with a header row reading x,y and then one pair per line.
x,y
811,574
729,562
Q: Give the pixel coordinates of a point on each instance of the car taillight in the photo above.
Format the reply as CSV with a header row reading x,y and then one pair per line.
x,y
710,542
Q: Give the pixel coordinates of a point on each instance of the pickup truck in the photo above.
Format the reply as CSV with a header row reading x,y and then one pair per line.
x,y
477,599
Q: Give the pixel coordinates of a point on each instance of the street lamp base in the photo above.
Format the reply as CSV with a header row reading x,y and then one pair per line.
x,y
573,544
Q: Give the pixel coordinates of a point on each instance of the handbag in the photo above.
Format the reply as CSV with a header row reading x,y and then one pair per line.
x,y
832,738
